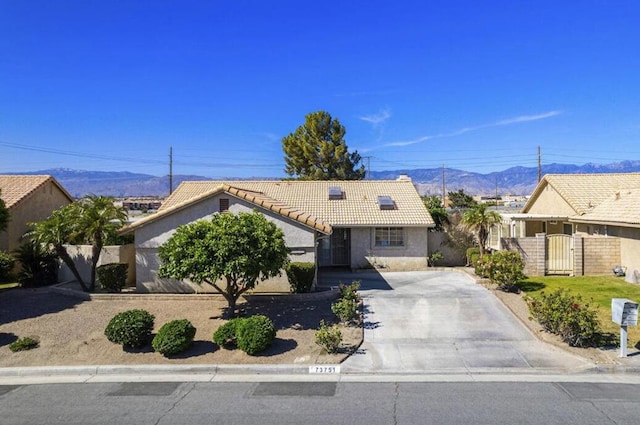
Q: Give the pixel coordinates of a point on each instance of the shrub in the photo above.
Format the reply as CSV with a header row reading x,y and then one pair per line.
x,y
350,292
505,269
6,265
225,335
301,276
346,309
473,255
328,337
433,259
566,315
39,266
23,344
255,334
174,337
112,277
130,328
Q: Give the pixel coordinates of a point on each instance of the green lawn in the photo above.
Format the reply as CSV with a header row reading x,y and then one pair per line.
x,y
600,289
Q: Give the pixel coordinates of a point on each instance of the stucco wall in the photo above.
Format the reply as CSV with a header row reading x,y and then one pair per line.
x,y
298,238
81,255
451,256
550,202
38,206
411,256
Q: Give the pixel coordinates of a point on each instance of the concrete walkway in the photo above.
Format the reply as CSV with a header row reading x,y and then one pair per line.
x,y
443,322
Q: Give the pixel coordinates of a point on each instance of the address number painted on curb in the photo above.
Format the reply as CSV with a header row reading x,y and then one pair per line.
x,y
324,369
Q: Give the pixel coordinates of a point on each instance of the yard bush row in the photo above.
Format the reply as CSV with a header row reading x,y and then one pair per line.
x,y
568,316
112,277
174,337
300,276
7,261
504,268
251,334
329,337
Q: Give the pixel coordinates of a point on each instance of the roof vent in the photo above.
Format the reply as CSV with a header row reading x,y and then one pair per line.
x,y
335,192
386,203
404,178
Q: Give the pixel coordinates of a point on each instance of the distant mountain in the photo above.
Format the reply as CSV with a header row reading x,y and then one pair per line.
x,y
513,181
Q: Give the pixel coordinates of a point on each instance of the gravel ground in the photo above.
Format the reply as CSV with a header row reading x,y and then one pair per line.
x,y
71,331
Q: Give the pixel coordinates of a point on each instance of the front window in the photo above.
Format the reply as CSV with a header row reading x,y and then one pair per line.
x,y
389,236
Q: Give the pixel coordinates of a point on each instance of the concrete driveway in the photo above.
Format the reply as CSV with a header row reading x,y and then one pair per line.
x,y
443,322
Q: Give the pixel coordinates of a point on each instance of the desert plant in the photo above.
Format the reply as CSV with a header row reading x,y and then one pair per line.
x,y
300,276
328,337
255,334
174,337
112,277
504,268
473,254
23,344
39,266
349,292
131,328
225,335
433,259
7,261
566,315
346,309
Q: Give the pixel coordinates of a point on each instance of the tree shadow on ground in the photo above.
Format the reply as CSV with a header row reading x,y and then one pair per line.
x,y
290,314
21,303
278,346
7,338
531,286
197,348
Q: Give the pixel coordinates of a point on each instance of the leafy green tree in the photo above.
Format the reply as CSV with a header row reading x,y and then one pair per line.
x,y
4,215
479,220
241,249
98,220
54,233
437,211
461,200
317,151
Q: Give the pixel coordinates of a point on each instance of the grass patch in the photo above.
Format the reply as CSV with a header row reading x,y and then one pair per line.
x,y
596,289
8,285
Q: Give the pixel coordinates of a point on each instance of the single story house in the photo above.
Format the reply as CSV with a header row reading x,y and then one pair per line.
x,y
351,224
601,210
28,199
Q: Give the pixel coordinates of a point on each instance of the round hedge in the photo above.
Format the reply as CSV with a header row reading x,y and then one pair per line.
x,y
255,334
174,337
131,328
225,335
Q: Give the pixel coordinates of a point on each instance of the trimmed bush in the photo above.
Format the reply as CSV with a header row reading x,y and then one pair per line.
x,y
174,337
301,276
504,268
23,344
131,328
255,334
39,266
328,337
225,335
346,309
473,255
7,261
349,292
112,277
566,315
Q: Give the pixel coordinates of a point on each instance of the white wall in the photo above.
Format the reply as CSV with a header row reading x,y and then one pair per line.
x,y
81,255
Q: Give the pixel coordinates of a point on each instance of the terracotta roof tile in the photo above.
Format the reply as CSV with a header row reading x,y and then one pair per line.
x,y
16,188
621,208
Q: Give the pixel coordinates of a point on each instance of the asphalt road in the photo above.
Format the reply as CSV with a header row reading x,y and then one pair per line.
x,y
435,322
309,403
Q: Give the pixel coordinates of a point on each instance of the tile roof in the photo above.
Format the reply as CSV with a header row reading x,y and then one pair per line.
x,y
585,191
621,208
16,188
308,201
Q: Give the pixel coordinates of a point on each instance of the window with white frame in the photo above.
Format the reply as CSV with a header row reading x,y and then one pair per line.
x,y
389,236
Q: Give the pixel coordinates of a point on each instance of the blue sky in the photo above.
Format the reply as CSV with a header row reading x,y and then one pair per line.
x,y
112,85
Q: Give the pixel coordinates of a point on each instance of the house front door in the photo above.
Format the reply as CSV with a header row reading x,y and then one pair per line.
x,y
335,250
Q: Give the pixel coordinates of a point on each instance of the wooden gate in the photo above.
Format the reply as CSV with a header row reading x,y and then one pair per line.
x,y
559,254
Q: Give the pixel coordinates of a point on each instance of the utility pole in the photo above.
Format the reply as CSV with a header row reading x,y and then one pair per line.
x,y
170,170
444,193
539,166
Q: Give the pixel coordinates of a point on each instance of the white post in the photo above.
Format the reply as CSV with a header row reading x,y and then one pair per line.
x,y
623,341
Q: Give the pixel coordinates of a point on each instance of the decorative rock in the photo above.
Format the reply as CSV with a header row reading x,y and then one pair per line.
x,y
632,276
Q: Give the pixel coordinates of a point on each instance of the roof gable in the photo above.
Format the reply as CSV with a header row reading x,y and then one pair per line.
x,y
583,192
15,189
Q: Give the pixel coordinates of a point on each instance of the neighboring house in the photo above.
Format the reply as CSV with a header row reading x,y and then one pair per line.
x,y
351,224
28,199
585,224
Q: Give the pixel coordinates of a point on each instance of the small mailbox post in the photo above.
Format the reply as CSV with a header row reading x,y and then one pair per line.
x,y
625,313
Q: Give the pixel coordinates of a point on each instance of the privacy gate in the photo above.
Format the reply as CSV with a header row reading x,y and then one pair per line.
x,y
559,255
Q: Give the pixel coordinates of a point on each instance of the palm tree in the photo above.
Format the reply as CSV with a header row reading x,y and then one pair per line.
x,y
98,219
55,232
479,220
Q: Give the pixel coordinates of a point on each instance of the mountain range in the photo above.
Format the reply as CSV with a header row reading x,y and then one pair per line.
x,y
429,181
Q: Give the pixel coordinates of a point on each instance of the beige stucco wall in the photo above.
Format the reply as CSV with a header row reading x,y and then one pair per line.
x,y
550,202
411,256
81,255
451,256
298,238
38,206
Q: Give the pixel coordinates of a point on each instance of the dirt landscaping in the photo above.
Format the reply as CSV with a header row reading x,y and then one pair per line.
x,y
71,330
